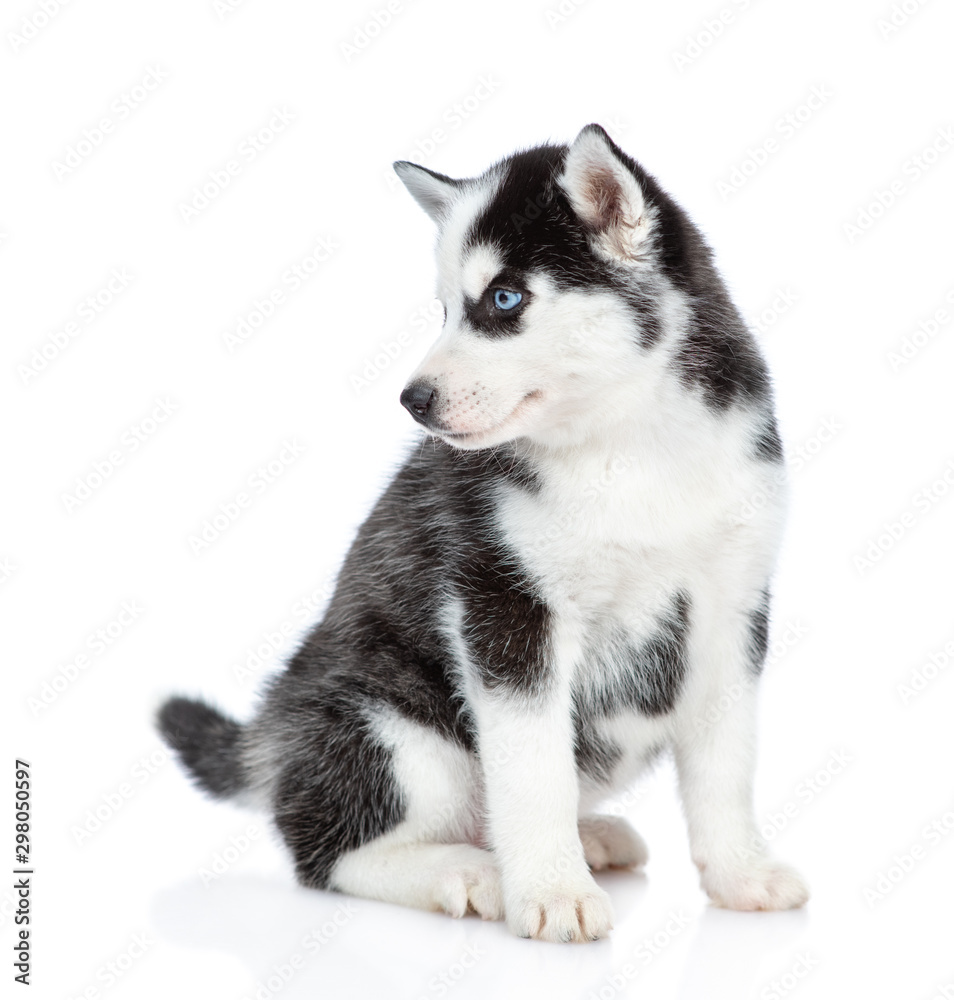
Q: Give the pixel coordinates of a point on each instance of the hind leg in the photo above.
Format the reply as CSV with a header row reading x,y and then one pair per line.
x,y
610,842
385,808
431,860
455,878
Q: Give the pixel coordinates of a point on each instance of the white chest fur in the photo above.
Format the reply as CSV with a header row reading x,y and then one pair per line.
x,y
615,530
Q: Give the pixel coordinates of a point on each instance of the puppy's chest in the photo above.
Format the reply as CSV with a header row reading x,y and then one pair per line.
x,y
607,543
618,553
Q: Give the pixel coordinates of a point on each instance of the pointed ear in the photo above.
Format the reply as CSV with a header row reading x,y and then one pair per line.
x,y
605,194
432,191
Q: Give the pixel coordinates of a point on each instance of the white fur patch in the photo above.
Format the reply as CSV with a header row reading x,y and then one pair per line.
x,y
439,781
470,203
480,265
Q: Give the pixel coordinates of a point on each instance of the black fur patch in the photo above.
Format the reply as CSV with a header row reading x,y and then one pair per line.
x,y
506,626
768,445
529,221
595,757
758,634
719,357
206,742
337,790
659,666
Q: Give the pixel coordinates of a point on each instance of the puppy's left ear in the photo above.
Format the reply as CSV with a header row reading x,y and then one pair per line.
x,y
605,194
432,191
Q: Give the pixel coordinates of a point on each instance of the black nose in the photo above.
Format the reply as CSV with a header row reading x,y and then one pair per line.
x,y
417,399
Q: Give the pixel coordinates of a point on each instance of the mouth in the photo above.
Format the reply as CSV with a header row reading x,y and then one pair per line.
x,y
475,437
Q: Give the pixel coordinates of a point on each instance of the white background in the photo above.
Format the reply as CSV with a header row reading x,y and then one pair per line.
x,y
853,768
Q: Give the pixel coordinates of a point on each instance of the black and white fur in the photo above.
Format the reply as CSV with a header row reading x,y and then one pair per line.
x,y
558,584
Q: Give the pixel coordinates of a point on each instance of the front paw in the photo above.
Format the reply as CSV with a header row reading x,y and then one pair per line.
x,y
763,884
573,912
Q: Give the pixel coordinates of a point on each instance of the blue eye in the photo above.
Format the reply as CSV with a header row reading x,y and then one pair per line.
x,y
505,299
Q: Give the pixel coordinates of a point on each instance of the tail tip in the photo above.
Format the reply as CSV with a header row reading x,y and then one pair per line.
x,y
205,741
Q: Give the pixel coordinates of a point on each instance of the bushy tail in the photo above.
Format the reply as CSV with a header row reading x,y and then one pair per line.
x,y
206,742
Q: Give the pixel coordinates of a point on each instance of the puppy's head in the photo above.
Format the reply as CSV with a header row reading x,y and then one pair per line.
x,y
539,261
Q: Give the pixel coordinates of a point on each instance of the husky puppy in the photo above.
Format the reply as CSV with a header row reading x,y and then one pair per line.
x,y
564,579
